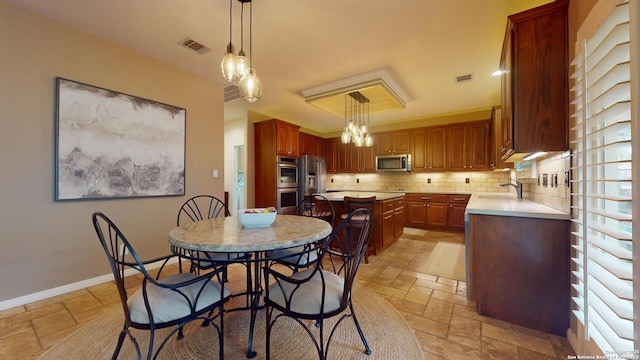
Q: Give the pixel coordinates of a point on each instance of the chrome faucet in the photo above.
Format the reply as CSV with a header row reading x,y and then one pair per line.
x,y
517,186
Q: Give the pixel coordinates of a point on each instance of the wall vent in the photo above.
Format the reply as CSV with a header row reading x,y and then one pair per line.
x,y
464,78
231,92
195,46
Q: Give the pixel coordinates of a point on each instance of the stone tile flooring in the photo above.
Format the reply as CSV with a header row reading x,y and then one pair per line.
x,y
445,322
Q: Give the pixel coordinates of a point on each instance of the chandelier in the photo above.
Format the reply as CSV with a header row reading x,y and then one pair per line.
x,y
356,120
237,69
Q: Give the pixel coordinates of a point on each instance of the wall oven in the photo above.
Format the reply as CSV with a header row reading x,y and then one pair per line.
x,y
286,172
286,200
286,184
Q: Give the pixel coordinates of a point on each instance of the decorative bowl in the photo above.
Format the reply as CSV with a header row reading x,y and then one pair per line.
x,y
258,217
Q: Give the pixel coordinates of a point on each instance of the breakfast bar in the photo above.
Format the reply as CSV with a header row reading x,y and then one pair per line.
x,y
388,215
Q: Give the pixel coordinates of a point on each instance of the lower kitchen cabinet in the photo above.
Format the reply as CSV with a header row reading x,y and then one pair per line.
x,y
436,211
519,270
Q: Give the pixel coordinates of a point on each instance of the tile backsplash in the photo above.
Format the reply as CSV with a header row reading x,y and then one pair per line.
x,y
550,186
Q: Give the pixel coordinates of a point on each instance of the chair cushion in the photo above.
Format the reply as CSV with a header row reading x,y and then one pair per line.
x,y
209,259
295,258
306,299
168,305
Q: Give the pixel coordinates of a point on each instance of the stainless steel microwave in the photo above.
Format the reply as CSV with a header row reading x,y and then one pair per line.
x,y
389,163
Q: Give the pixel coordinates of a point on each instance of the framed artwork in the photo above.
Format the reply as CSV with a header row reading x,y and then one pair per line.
x,y
113,145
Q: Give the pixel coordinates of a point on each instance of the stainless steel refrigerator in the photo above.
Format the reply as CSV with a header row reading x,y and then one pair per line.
x,y
313,175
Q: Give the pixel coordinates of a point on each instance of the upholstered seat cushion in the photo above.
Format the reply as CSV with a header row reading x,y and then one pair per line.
x,y
168,305
296,258
307,299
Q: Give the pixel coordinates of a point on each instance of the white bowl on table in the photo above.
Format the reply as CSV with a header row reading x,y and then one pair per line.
x,y
256,218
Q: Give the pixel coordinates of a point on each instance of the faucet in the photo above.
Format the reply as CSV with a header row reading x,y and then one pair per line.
x,y
517,186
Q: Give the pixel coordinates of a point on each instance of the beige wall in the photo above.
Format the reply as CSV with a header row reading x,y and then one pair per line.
x,y
46,244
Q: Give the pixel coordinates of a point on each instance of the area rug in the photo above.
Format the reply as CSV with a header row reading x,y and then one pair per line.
x,y
387,333
447,260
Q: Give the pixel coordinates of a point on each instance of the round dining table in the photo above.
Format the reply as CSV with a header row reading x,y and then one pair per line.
x,y
228,235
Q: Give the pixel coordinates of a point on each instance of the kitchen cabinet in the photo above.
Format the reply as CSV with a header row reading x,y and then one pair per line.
x,y
427,210
287,139
468,146
519,270
361,159
496,155
399,217
393,220
428,149
535,82
336,156
312,145
457,207
395,142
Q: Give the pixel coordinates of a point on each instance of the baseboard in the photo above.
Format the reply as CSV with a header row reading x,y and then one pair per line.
x,y
45,294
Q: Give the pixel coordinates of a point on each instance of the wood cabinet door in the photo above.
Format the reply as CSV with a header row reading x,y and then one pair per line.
x,y
456,215
478,146
506,121
437,148
385,143
332,154
419,150
457,147
416,213
437,214
399,218
287,142
402,142
388,230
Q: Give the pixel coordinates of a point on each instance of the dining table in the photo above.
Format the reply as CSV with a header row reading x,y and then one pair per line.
x,y
228,235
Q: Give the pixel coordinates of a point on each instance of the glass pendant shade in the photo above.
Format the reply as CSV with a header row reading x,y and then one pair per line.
x,y
356,111
229,64
242,64
368,140
250,86
345,137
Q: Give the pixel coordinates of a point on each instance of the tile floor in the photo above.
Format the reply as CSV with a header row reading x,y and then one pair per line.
x,y
445,322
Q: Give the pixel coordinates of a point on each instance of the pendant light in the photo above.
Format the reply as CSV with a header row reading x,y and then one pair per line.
x,y
229,60
242,62
250,85
356,120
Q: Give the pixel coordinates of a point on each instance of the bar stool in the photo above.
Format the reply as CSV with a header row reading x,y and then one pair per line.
x,y
354,203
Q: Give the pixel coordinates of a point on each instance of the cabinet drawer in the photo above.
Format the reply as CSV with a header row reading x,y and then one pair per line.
x,y
398,203
459,199
428,197
387,205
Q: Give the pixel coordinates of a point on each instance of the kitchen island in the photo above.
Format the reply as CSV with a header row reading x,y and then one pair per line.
x,y
388,215
518,261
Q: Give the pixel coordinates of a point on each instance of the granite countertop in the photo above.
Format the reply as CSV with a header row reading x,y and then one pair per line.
x,y
339,195
507,204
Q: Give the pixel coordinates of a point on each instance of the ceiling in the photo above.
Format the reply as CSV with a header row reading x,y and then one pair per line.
x,y
299,44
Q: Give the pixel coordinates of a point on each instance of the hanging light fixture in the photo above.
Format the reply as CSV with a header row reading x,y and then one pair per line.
x,y
237,68
229,60
250,85
356,120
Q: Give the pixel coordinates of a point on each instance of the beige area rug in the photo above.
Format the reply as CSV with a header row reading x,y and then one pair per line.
x,y
387,333
447,260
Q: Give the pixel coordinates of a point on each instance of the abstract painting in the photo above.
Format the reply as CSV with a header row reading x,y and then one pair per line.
x,y
113,145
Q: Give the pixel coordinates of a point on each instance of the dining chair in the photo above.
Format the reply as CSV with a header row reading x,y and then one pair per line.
x,y
161,301
298,257
353,203
202,207
323,290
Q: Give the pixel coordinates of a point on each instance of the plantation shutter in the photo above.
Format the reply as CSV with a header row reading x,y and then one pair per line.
x,y
601,210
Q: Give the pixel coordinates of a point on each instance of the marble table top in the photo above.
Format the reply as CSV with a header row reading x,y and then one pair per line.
x,y
226,234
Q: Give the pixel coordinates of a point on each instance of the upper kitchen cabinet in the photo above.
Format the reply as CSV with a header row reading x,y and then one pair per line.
x,y
312,145
468,146
496,156
429,149
361,159
287,142
534,82
336,156
396,142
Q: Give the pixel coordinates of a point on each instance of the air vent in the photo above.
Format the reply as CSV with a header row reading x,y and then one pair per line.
x,y
464,78
195,46
231,92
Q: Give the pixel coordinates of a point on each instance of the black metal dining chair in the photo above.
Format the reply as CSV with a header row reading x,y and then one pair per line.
x,y
353,203
321,291
161,301
298,257
202,207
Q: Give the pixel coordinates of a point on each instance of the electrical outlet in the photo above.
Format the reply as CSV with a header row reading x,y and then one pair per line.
x,y
123,250
466,180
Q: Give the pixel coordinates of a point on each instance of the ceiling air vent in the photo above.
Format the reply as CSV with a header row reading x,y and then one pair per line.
x,y
195,46
231,92
464,78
